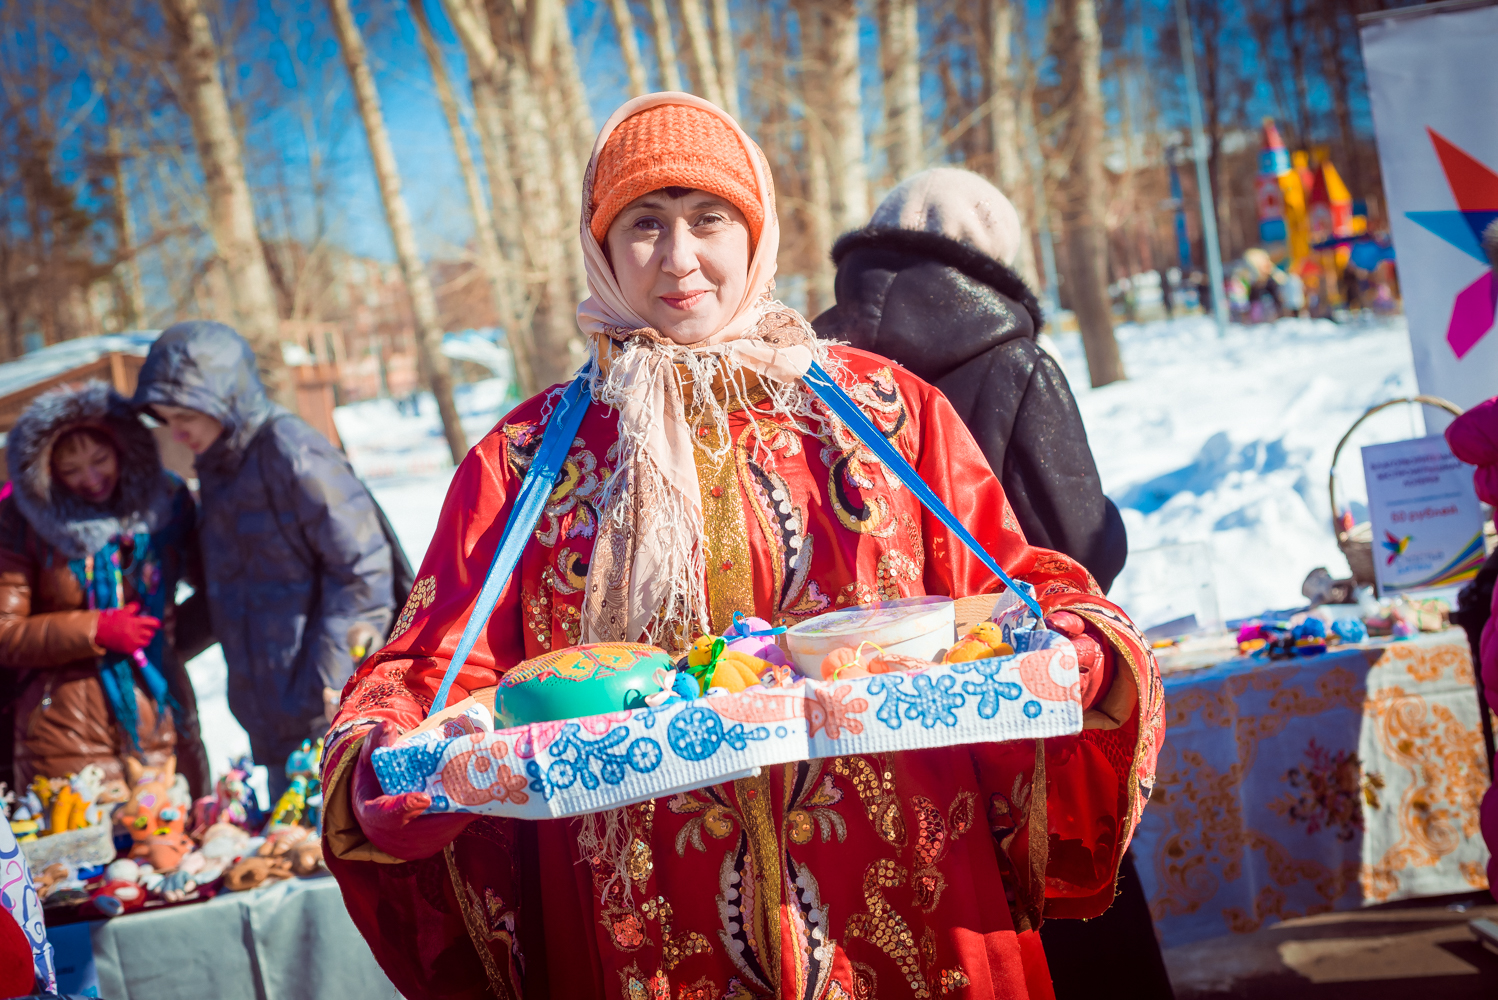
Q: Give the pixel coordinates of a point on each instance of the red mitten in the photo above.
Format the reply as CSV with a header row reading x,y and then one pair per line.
x,y
1094,655
124,630
394,823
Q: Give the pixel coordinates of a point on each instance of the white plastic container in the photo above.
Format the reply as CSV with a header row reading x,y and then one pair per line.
x,y
912,626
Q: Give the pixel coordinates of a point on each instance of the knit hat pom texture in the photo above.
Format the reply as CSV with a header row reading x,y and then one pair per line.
x,y
673,145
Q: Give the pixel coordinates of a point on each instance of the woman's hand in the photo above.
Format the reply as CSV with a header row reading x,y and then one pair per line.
x,y
394,823
1108,694
124,630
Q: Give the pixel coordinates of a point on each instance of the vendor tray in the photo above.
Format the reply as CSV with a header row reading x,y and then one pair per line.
x,y
548,770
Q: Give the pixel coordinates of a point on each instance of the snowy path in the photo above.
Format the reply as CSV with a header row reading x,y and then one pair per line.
x,y
1225,441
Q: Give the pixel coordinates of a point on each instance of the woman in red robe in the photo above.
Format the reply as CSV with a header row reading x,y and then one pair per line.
x,y
705,480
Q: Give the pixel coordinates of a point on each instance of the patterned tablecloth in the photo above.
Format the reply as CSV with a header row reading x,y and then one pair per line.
x,y
1298,787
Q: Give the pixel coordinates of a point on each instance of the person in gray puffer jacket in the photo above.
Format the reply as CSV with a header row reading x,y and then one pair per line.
x,y
294,552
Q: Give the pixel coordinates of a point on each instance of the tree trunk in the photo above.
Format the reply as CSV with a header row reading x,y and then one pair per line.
x,y
502,82
1295,41
570,144
629,45
433,364
819,211
1087,244
728,56
491,257
1334,70
899,35
127,272
700,48
1008,148
231,212
665,45
837,101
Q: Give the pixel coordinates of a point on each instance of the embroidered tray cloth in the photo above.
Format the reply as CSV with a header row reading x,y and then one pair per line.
x,y
549,770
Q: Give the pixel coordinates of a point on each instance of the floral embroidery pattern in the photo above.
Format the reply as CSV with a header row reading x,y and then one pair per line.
x,y
882,927
422,596
1329,788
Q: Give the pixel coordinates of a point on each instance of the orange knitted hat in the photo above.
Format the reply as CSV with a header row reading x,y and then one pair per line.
x,y
672,145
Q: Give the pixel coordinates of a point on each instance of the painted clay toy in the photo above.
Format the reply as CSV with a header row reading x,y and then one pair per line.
x,y
578,681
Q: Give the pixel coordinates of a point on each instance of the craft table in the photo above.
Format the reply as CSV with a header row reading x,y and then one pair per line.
x,y
1292,787
291,940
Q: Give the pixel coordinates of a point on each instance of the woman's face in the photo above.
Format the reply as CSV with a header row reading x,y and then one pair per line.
x,y
682,263
88,468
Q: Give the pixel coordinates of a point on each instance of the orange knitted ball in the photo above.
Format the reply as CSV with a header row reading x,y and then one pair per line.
x,y
672,145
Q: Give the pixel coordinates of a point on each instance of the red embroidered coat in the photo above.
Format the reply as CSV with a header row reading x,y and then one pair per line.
x,y
909,875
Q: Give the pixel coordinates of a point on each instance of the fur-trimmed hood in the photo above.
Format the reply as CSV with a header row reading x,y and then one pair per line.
x,y
929,301
143,499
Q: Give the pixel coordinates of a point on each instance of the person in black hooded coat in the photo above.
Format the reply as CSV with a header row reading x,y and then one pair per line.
x,y
294,549
926,284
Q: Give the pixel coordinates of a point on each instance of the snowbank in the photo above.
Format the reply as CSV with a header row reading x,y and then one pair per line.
x,y
1229,441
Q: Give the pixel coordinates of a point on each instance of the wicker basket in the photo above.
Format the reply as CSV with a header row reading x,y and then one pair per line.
x,y
1356,543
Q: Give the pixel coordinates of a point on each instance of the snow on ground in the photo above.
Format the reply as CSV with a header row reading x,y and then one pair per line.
x,y
1225,442
1229,442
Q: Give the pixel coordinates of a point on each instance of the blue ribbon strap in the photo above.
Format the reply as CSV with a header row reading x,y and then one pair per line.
x,y
832,394
535,489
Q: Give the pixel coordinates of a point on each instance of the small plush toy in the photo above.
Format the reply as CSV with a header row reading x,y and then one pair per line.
x,y
306,857
983,641
117,896
251,872
755,637
232,801
163,851
158,803
714,665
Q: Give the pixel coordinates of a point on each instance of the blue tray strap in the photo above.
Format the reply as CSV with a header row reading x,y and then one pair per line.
x,y
535,490
863,428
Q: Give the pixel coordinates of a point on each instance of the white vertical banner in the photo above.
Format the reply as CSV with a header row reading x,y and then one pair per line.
x,y
1433,86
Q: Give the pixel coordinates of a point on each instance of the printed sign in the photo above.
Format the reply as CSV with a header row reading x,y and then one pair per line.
x,y
1427,525
1432,90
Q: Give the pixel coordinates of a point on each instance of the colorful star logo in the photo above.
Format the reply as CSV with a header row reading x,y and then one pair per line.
x,y
1475,188
1395,545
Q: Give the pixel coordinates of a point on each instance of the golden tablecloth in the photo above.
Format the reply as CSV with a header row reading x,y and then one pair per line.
x,y
1295,787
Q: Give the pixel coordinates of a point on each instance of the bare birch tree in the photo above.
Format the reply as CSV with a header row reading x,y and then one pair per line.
x,y
728,56
665,46
629,46
513,123
899,38
700,49
491,256
835,102
433,364
1079,49
231,212
1003,116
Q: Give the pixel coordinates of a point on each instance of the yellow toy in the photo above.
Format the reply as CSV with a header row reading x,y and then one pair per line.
x,y
714,665
984,641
